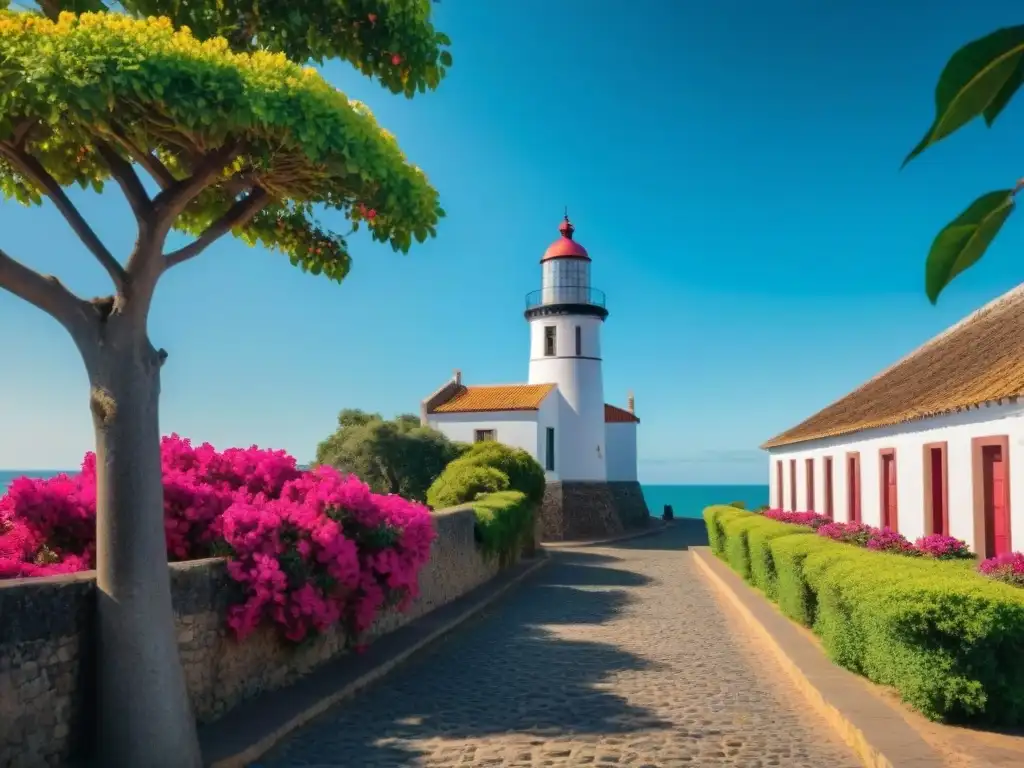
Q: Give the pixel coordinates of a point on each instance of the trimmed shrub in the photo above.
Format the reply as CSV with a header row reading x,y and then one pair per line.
x,y
737,551
948,639
738,504
504,523
713,518
763,574
525,474
463,483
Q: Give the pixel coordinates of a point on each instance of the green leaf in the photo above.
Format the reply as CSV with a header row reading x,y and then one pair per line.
x,y
993,110
978,79
964,240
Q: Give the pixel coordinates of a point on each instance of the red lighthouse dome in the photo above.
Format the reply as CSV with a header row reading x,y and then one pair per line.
x,y
565,247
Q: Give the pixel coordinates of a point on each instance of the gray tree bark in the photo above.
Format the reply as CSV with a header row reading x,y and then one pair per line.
x,y
144,714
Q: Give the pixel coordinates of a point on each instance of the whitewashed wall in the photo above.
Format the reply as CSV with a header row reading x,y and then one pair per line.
x,y
520,429
908,440
547,416
515,428
620,441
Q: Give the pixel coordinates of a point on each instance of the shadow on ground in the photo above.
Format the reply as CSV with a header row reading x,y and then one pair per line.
x,y
504,671
679,536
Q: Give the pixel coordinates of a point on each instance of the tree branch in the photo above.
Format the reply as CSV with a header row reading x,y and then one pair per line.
x,y
147,160
237,215
127,179
34,171
175,198
43,291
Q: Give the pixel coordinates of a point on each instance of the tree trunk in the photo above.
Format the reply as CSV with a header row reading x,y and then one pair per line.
x,y
144,716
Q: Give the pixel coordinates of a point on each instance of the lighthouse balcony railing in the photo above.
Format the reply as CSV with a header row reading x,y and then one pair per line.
x,y
565,294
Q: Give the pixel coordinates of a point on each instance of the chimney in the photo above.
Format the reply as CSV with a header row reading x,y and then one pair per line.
x,y
629,402
457,378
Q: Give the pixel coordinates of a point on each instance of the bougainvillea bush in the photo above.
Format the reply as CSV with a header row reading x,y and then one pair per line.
x,y
934,545
309,549
1007,568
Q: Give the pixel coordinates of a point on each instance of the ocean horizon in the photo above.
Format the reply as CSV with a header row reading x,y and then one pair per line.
x,y
687,500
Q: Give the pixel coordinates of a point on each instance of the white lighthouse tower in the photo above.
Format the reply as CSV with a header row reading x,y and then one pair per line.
x,y
565,318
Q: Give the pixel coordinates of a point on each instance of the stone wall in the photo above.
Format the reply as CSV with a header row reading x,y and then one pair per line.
x,y
47,660
584,510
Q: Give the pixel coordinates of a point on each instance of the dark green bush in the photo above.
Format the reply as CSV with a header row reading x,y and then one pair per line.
x,y
949,640
463,483
504,523
738,504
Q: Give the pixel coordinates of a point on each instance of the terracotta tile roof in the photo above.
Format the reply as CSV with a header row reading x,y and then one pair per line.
x,y
977,361
502,397
614,415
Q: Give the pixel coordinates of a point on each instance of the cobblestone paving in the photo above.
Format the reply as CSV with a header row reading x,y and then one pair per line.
x,y
617,655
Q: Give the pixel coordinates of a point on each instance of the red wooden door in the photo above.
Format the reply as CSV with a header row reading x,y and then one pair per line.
x,y
997,518
828,487
938,491
890,517
780,496
792,485
853,488
809,464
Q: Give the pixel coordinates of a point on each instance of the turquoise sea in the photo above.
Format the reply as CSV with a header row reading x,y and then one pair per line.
x,y
686,500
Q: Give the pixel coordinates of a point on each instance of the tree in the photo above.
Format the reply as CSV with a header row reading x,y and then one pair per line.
x,y
979,80
234,139
398,456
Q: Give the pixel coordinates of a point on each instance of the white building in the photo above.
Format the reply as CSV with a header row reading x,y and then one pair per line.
x,y
586,446
928,445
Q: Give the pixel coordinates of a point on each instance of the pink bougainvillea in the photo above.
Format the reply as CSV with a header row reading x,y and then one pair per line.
x,y
812,519
308,549
943,547
1008,568
879,539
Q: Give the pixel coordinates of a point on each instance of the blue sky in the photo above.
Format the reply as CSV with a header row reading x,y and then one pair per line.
x,y
733,171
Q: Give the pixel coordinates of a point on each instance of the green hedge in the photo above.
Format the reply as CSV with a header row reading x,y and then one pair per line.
x,y
949,640
505,485
504,523
462,483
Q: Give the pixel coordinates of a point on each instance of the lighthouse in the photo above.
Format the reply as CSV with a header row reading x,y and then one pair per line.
x,y
586,447
565,317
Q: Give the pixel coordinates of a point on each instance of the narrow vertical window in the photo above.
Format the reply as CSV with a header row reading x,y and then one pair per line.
x,y
549,450
889,498
549,341
853,486
579,341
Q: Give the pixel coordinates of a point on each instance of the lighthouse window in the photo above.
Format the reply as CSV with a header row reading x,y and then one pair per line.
x,y
579,341
549,341
549,450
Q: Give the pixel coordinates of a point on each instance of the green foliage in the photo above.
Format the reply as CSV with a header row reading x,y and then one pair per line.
x,y
75,87
504,523
978,81
946,638
962,242
392,41
714,519
738,504
763,573
397,456
524,472
462,483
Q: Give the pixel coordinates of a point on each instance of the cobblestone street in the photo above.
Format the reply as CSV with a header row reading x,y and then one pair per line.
x,y
618,655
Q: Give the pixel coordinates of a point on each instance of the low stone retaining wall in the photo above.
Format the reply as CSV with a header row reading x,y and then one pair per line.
x,y
47,656
574,510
